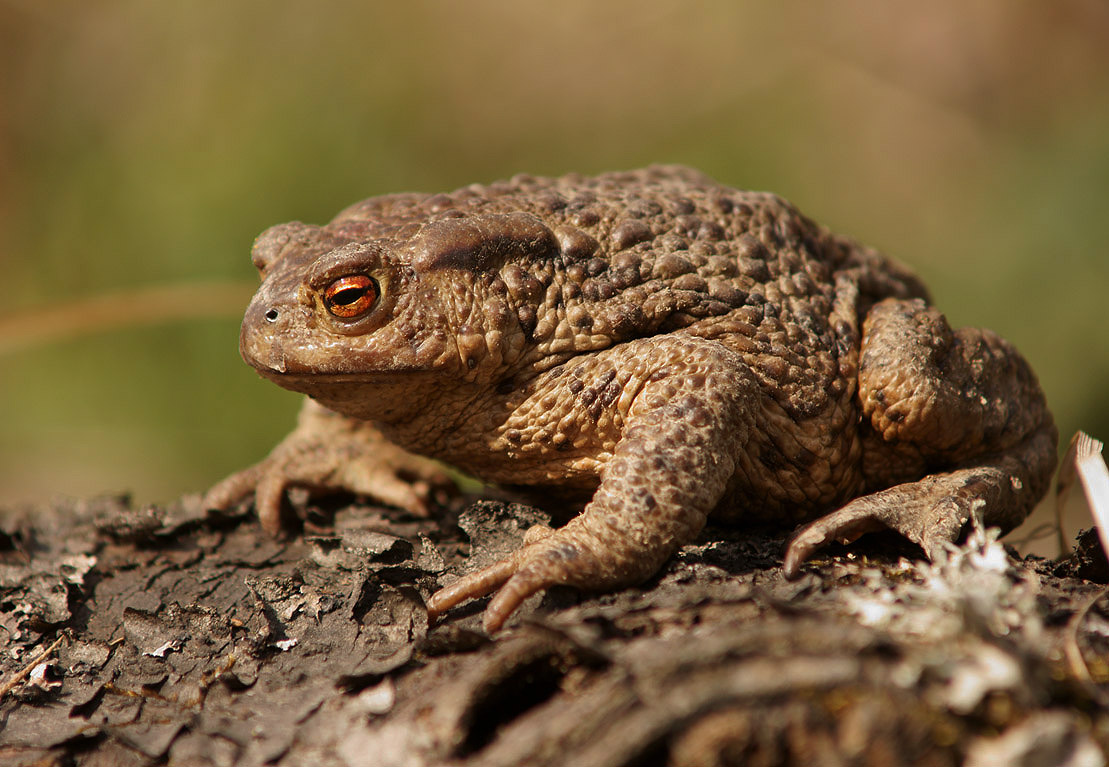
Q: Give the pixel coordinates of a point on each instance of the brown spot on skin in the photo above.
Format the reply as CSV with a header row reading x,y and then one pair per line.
x,y
688,225
803,458
753,269
671,266
710,230
721,266
439,203
575,244
551,203
521,285
644,209
625,278
527,318
725,291
690,282
610,393
771,457
630,232
683,206
586,218
749,246
627,260
579,317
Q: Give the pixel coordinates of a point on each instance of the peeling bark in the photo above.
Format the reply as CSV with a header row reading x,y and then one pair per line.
x,y
191,638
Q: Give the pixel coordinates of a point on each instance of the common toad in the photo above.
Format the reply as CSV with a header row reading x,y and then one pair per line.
x,y
652,345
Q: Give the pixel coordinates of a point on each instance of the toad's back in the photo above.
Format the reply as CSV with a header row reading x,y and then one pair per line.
x,y
653,251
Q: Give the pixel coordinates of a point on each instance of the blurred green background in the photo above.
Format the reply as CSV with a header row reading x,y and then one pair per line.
x,y
143,145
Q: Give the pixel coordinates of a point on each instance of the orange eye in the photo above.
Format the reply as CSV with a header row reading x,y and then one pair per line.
x,y
350,297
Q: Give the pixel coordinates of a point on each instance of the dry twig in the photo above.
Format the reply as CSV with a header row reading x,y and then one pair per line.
x,y
26,670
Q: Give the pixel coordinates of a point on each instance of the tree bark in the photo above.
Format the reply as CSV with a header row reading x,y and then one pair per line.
x,y
189,637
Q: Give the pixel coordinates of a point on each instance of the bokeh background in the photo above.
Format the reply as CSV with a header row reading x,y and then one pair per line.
x,y
143,145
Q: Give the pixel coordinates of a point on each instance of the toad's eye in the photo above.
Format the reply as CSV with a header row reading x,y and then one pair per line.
x,y
350,297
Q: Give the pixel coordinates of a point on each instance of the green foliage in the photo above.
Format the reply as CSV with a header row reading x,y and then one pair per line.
x,y
146,144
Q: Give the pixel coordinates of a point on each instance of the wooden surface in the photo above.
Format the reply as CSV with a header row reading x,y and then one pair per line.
x,y
191,638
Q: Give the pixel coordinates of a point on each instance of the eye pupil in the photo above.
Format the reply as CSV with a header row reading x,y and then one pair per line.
x,y
347,296
351,297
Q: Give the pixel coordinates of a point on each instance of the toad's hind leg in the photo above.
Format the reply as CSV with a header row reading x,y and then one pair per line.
x,y
960,413
692,402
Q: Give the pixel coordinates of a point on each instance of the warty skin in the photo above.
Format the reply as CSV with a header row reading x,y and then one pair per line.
x,y
654,345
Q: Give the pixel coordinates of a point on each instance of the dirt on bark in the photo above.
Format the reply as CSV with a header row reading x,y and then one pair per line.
x,y
182,636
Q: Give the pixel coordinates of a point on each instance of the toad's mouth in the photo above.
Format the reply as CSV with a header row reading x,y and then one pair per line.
x,y
292,379
381,397
335,363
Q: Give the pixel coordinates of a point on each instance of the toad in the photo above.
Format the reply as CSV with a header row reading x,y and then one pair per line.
x,y
648,347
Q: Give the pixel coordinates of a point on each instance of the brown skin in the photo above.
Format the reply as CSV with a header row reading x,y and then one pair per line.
x,y
656,344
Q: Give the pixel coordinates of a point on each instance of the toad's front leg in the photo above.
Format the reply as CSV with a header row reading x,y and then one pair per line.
x,y
328,452
690,409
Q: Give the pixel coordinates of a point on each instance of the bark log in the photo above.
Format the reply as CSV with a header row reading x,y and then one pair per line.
x,y
191,638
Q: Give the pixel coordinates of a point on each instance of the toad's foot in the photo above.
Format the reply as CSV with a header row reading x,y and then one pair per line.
x,y
570,556
328,453
933,511
534,567
930,513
